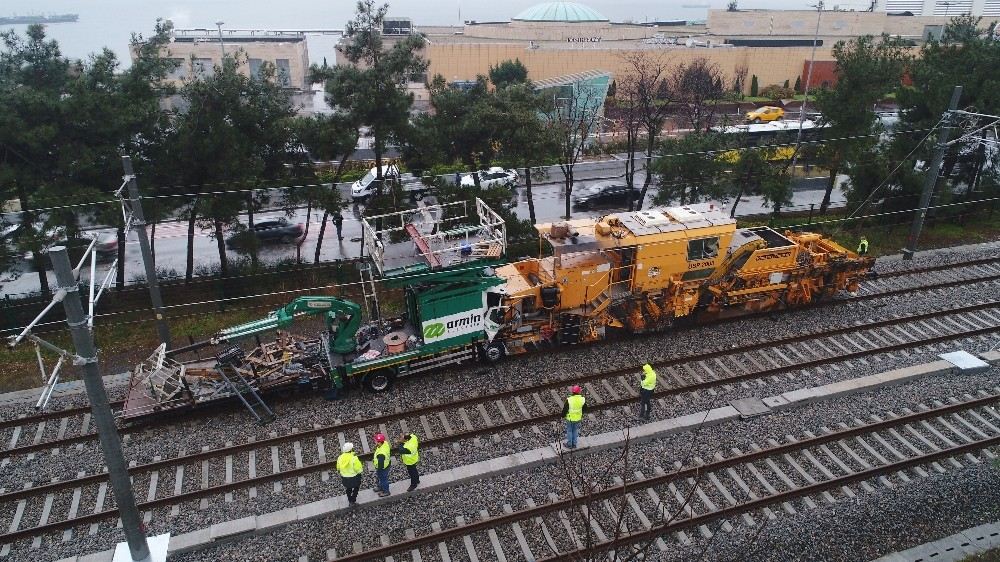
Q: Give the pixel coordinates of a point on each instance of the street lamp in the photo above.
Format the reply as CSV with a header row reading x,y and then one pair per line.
x,y
222,45
805,91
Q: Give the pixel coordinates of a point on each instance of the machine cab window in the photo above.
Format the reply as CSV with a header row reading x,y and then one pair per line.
x,y
703,248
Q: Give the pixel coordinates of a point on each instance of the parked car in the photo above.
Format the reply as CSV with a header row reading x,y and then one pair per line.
x,y
267,231
106,247
495,176
603,194
765,114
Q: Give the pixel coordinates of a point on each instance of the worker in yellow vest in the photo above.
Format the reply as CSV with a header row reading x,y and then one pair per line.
x,y
409,453
350,468
573,412
863,246
382,459
646,388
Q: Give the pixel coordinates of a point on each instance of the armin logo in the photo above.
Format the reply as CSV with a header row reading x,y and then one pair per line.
x,y
434,330
439,329
469,320
774,256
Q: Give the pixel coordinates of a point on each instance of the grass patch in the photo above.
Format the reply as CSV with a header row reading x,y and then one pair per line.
x,y
988,556
121,343
890,239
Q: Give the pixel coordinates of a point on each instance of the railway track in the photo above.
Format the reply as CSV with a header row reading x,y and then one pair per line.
x,y
828,466
304,453
74,423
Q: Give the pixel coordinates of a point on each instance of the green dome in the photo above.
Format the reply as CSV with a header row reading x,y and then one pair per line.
x,y
560,12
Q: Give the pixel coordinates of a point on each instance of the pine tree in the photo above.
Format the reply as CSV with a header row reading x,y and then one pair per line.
x,y
786,84
753,86
798,84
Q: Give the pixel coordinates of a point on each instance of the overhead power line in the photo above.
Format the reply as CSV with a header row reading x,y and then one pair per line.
x,y
472,268
550,167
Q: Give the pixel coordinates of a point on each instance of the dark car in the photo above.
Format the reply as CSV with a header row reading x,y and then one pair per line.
x,y
603,194
268,231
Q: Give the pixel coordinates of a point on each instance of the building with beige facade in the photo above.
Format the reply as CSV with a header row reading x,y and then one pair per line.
x,y
198,51
559,38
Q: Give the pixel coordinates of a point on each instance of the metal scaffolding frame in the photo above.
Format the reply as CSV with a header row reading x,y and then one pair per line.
x,y
51,378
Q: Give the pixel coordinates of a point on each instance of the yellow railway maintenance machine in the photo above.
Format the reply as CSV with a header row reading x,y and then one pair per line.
x,y
649,270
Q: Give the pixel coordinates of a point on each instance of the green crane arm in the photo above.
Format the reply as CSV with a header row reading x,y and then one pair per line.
x,y
347,324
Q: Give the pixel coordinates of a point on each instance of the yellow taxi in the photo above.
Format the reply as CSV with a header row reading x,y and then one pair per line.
x,y
765,114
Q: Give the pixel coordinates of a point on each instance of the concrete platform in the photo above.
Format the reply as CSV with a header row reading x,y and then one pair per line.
x,y
959,546
220,533
68,388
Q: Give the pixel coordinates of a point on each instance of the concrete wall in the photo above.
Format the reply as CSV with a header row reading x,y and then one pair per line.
x,y
464,61
986,8
209,51
802,23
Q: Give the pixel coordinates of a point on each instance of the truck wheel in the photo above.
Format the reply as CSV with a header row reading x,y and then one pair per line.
x,y
379,381
493,352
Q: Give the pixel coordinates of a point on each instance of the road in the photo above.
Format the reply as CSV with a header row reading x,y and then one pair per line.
x,y
171,237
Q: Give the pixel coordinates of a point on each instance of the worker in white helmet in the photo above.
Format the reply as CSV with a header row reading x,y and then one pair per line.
x,y
350,468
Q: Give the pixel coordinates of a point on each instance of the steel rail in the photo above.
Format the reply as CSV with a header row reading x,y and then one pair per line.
x,y
753,505
14,422
517,424
696,471
331,465
128,429
525,390
933,268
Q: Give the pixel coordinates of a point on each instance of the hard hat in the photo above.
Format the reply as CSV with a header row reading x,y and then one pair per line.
x,y
647,368
347,447
575,389
379,438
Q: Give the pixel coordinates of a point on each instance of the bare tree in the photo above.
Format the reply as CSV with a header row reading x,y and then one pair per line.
x,y
600,537
627,115
697,87
582,480
739,80
646,95
571,120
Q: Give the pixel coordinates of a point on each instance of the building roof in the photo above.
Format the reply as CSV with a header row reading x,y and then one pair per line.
x,y
563,12
570,79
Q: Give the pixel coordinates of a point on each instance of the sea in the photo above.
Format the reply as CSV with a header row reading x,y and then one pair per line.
x,y
111,23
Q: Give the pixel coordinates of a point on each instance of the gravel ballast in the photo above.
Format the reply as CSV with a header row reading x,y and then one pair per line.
x,y
234,426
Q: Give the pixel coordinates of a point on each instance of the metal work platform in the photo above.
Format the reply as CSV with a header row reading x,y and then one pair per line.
x,y
433,237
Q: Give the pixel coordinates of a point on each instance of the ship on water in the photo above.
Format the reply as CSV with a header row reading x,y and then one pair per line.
x,y
53,18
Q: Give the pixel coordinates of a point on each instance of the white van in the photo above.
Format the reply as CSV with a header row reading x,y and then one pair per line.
x,y
365,187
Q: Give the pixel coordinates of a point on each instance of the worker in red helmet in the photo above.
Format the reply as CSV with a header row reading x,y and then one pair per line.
x,y
382,460
573,412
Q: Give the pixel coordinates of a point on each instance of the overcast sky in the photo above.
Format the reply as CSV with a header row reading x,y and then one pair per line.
x,y
111,22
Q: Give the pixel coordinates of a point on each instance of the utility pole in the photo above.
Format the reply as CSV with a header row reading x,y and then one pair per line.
x,y
933,171
805,89
111,445
139,221
222,45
